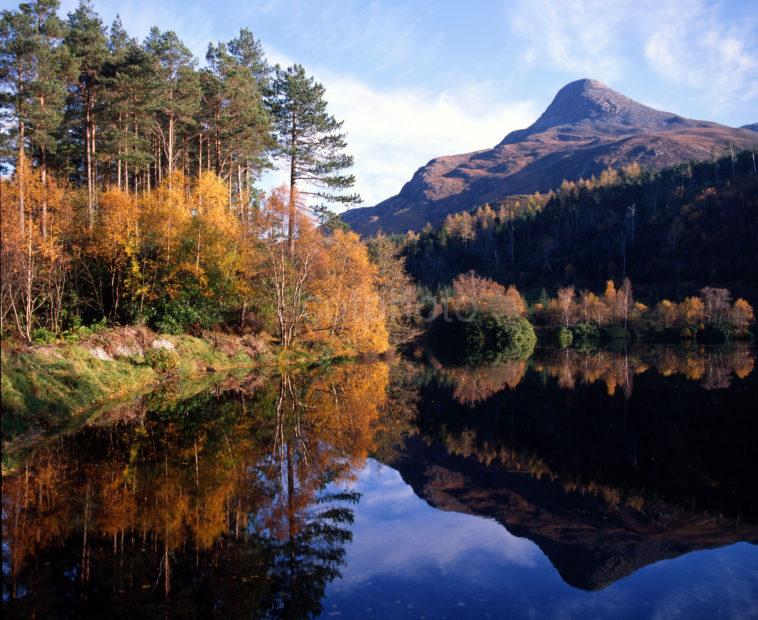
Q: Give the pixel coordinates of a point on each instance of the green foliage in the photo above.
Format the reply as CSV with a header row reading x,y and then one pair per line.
x,y
42,335
565,337
718,333
177,316
483,337
161,360
585,331
75,333
614,332
309,138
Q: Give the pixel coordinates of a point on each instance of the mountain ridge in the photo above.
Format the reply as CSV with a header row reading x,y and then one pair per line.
x,y
586,128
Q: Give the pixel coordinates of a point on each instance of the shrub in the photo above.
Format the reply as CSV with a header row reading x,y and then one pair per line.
x,y
177,316
565,337
42,335
615,332
716,334
586,331
484,337
161,360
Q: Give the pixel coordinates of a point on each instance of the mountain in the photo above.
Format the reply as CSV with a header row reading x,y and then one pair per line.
x,y
751,127
586,128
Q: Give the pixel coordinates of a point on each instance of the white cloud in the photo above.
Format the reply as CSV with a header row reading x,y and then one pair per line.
x,y
709,48
397,533
698,51
575,36
391,133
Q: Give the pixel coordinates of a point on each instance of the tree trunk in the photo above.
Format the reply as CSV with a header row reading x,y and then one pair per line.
x,y
199,154
88,155
293,180
21,189
170,154
43,171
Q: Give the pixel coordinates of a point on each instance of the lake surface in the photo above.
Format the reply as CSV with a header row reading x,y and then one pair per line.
x,y
613,484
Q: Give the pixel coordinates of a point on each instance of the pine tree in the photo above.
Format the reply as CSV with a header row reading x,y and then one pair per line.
x,y
54,69
34,68
130,106
233,111
17,72
88,45
180,94
309,138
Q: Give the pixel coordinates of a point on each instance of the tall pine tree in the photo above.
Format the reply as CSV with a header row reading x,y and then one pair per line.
x,y
180,90
88,45
310,140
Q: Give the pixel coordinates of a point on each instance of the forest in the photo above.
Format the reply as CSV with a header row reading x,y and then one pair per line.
x,y
672,232
132,194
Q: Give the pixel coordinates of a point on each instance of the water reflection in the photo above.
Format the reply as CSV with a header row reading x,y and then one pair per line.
x,y
608,460
243,500
712,367
229,496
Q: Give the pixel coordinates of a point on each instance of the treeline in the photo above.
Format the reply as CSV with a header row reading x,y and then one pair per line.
x,y
478,318
181,258
97,107
671,231
132,197
710,315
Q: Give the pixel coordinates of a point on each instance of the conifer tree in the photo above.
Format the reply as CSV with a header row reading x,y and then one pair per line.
x,y
309,139
34,69
130,106
88,45
180,94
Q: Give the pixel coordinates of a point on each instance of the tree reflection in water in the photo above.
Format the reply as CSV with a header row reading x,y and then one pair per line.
x,y
221,505
237,501
712,367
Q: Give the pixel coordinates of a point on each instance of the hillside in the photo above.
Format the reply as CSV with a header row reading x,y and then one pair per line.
x,y
587,127
672,232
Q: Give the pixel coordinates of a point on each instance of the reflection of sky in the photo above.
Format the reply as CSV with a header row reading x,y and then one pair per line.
x,y
410,560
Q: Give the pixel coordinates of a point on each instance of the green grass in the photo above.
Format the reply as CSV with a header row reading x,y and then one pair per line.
x,y
55,388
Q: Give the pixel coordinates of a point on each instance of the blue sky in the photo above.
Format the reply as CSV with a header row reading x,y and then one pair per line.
x,y
417,79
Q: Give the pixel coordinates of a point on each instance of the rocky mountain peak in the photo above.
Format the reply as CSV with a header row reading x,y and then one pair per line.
x,y
590,102
587,128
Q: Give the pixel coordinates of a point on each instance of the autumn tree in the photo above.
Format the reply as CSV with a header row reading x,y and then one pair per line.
x,y
472,293
396,289
563,307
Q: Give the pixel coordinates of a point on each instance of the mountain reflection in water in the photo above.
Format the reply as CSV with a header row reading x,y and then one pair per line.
x,y
242,500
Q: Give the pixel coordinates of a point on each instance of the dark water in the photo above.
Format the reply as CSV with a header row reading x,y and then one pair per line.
x,y
618,484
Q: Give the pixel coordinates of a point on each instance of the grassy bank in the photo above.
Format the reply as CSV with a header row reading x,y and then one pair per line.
x,y
55,386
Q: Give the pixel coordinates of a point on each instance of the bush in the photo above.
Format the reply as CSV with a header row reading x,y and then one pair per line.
x,y
565,337
716,334
484,337
79,331
586,331
515,336
161,360
42,335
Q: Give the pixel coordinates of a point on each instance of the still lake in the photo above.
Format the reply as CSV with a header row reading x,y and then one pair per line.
x,y
577,483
